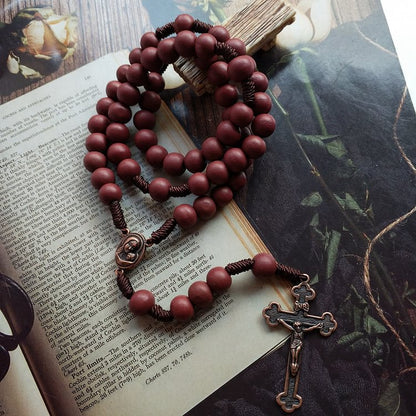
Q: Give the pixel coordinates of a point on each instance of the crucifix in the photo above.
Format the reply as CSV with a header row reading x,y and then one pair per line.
x,y
298,322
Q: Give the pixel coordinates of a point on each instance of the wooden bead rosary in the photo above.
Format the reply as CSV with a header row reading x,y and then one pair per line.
x,y
217,169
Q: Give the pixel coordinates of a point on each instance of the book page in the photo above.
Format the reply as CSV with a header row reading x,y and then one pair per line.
x,y
61,240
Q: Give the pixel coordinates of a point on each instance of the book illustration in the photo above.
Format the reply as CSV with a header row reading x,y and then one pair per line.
x,y
34,44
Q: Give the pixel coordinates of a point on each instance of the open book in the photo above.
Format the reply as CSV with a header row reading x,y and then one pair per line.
x,y
87,352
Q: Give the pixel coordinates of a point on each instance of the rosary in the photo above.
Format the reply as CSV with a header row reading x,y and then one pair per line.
x,y
217,171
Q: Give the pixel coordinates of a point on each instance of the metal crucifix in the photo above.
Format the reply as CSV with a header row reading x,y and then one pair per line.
x,y
298,322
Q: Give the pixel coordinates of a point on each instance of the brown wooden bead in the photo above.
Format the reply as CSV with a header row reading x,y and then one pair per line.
x,y
194,161
217,73
134,55
240,68
264,265
212,149
240,114
103,104
117,132
226,95
111,89
263,125
110,192
94,160
237,181
96,141
262,103
218,279
173,164
228,133
155,155
155,82
238,45
150,59
185,43
183,21
235,160
159,189
185,216
141,302
128,169
181,308
102,176
260,81
150,100
98,123
253,146
222,195
144,119
118,152
217,172
166,51
128,94
119,113
205,45
199,184
136,74
200,294
220,33
148,39
121,72
145,139
205,207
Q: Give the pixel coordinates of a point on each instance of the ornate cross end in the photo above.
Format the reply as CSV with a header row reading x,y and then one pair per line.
x,y
298,322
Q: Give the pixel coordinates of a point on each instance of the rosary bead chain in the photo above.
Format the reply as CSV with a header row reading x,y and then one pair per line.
x,y
201,294
217,169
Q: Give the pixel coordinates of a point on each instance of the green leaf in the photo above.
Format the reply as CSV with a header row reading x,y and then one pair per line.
x,y
352,205
332,252
314,199
336,148
350,338
316,140
340,200
374,327
389,401
315,220
314,280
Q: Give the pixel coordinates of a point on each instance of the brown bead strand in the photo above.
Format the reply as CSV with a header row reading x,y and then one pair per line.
x,y
218,168
118,216
123,283
160,314
180,190
226,51
159,235
287,271
201,27
249,90
239,266
165,31
141,183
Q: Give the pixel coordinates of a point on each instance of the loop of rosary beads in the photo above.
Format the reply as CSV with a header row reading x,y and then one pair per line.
x,y
217,169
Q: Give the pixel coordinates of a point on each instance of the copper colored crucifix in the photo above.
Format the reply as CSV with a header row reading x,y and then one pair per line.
x,y
298,322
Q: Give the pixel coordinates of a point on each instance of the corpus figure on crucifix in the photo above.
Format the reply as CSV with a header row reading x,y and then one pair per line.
x,y
298,322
